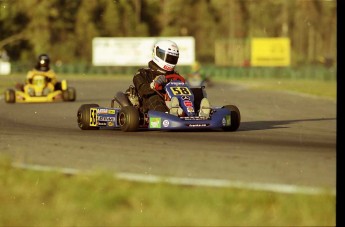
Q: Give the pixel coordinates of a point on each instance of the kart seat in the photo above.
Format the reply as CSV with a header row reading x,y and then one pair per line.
x,y
122,99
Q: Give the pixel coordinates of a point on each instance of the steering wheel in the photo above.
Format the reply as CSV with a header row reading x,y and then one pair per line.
x,y
175,77
171,77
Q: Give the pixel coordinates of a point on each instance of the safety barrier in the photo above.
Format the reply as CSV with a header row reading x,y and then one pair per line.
x,y
303,72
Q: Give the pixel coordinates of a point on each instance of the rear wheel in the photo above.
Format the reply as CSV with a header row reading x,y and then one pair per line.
x,y
10,96
235,118
129,119
84,116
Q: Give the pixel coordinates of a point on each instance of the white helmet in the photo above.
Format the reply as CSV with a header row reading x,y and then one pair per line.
x,y
165,54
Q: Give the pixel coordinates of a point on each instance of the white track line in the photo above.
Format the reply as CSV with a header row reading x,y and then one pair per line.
x,y
280,188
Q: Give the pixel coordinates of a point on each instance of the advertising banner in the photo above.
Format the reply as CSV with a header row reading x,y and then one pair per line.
x,y
136,51
270,52
5,68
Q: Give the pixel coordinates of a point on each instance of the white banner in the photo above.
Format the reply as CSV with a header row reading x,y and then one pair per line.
x,y
137,51
5,68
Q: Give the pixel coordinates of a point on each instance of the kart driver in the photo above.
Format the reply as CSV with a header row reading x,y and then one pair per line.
x,y
147,80
42,68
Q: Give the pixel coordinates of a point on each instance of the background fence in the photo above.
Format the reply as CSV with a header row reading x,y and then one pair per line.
x,y
317,72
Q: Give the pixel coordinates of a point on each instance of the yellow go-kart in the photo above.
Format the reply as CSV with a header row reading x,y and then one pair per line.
x,y
61,92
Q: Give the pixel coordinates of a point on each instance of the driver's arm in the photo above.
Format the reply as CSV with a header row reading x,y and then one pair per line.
x,y
29,77
52,76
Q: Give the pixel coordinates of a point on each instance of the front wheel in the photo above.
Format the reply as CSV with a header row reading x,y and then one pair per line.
x,y
129,119
87,117
235,118
10,96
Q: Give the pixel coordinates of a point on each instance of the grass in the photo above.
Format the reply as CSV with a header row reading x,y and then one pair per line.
x,y
318,88
30,198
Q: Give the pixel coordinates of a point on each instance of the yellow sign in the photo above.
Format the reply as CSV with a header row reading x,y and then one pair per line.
x,y
270,52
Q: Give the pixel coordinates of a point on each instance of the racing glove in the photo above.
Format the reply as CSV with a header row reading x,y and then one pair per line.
x,y
158,82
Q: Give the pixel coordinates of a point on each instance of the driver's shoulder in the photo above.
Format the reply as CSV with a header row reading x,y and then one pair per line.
x,y
33,72
50,73
145,70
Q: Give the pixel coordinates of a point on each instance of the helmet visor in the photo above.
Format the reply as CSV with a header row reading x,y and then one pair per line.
x,y
44,63
171,59
162,54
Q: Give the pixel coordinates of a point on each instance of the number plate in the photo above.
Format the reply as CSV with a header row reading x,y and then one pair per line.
x,y
93,116
180,90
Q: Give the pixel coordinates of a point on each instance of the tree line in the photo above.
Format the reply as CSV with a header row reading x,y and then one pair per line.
x,y
65,28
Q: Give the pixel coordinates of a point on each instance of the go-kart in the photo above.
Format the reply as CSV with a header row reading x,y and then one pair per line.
x,y
198,80
128,114
62,92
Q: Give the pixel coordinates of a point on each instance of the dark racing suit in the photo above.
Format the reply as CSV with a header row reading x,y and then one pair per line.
x,y
142,79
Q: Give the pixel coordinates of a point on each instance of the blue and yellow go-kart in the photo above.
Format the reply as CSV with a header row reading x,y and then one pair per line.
x,y
128,115
62,92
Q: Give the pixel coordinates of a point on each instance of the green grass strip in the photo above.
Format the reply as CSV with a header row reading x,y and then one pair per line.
x,y
317,88
32,198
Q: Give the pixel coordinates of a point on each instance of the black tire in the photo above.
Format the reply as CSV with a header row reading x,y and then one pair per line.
x,y
83,117
10,96
235,118
69,94
129,119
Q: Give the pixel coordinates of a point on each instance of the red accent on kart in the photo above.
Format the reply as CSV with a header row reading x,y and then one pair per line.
x,y
188,103
158,87
175,77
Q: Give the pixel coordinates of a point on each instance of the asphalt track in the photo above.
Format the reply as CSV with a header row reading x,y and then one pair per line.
x,y
284,138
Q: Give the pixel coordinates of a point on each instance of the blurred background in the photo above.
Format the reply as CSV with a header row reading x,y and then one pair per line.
x,y
225,32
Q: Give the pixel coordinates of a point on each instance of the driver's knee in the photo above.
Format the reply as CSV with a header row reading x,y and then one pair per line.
x,y
28,89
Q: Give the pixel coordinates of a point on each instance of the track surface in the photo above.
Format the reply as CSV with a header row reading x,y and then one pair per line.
x,y
284,138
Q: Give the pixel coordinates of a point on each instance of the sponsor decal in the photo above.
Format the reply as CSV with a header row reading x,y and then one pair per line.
x,y
101,118
110,123
176,83
195,118
184,97
166,123
102,111
168,68
155,122
102,123
111,111
190,109
197,125
226,120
